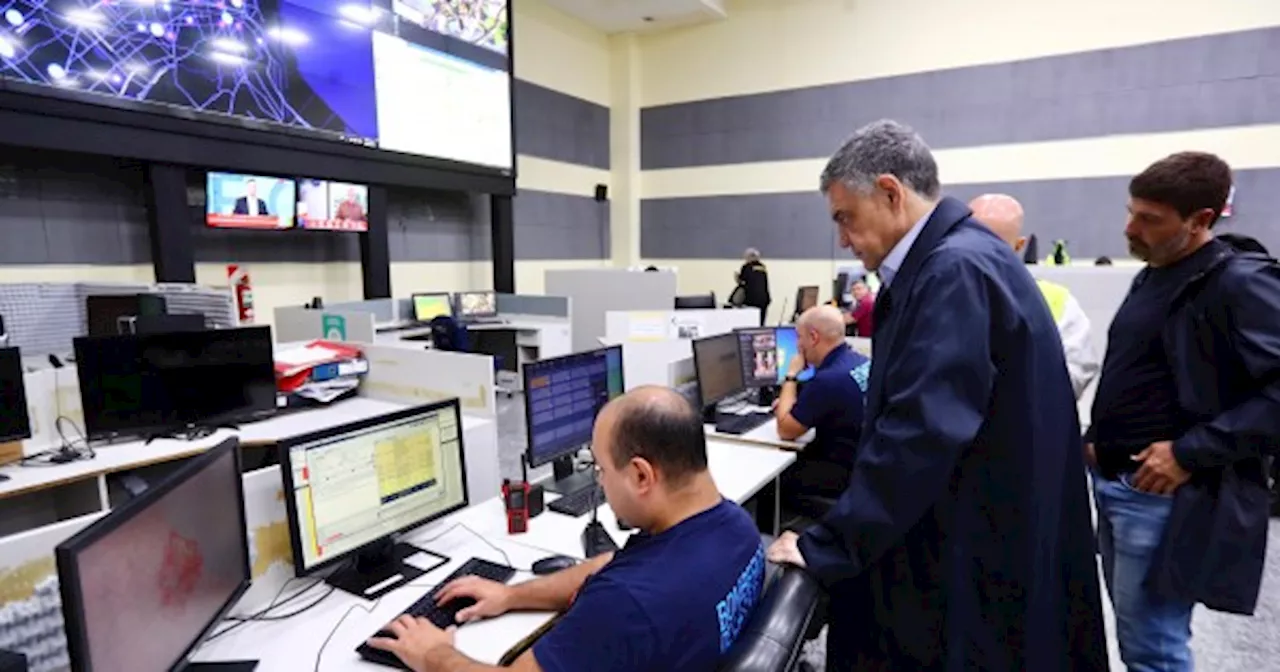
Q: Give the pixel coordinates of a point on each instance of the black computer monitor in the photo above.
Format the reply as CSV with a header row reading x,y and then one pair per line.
x,y
562,397
696,302
427,307
760,356
806,298
104,311
719,368
15,421
168,324
153,384
351,489
473,305
143,585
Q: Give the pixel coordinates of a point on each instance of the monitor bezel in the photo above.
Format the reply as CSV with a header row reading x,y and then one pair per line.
x,y
66,554
24,403
817,296
742,362
395,417
742,384
448,298
457,305
528,411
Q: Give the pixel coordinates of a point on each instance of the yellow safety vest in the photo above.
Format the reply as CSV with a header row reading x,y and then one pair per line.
x,y
1056,296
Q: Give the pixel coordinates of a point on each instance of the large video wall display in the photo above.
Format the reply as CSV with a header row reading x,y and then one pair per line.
x,y
422,77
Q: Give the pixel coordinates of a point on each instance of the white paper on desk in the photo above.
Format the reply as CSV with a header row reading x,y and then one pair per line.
x,y
328,390
423,561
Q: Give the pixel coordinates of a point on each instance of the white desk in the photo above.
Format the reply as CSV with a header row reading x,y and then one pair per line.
x,y
294,644
764,435
740,471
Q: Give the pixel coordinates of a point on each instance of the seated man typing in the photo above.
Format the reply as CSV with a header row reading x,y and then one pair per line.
x,y
673,599
831,404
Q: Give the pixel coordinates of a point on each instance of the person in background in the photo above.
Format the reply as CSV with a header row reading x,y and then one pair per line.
x,y
1003,214
1186,410
753,277
963,540
861,316
627,611
831,403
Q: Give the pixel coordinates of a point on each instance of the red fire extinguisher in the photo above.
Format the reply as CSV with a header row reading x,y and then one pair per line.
x,y
242,289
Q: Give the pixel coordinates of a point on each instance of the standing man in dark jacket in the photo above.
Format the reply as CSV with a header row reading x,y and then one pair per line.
x,y
963,539
1186,410
753,277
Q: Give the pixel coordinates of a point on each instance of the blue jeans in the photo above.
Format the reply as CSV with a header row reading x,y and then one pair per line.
x,y
1154,633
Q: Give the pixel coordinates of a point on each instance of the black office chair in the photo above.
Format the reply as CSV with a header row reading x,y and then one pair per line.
x,y
772,638
699,301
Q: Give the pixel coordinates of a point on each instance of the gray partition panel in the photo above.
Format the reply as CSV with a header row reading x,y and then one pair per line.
x,y
533,304
595,291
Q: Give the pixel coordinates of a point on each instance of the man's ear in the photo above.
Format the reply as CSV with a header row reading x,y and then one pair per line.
x,y
1022,242
645,475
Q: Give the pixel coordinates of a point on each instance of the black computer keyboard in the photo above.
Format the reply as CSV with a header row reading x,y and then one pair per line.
x,y
580,502
741,424
441,616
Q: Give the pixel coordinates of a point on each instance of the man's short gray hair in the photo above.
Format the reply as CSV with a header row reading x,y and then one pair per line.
x,y
883,147
751,254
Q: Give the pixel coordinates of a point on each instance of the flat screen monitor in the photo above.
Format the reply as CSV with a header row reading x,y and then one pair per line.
x,y
788,347
477,304
235,201
718,366
141,384
335,206
806,298
142,585
15,419
427,307
562,397
758,354
104,312
351,488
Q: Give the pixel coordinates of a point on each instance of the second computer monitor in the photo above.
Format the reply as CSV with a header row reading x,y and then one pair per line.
x,y
477,304
718,366
350,489
759,356
427,307
562,397
15,421
806,298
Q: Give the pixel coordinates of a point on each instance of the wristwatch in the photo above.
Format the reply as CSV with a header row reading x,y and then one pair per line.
x,y
791,379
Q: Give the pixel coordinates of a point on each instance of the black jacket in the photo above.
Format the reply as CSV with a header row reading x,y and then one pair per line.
x,y
753,277
1223,338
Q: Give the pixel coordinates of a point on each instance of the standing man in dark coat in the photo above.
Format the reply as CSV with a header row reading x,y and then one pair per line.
x,y
753,278
963,540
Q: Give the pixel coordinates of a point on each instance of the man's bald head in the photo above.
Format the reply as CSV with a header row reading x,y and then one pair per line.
x,y
658,425
1003,215
825,320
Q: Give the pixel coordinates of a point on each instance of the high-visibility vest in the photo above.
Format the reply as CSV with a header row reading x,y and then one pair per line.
x,y
1056,296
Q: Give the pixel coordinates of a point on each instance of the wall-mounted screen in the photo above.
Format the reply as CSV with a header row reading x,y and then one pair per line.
x,y
426,77
338,206
234,201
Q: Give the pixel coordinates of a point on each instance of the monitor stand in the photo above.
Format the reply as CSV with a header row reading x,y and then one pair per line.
x,y
221,666
565,480
380,569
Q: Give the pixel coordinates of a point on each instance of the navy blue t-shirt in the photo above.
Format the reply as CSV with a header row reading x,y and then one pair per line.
x,y
833,404
671,602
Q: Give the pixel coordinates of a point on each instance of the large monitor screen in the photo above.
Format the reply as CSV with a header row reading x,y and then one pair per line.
x,y
337,206
426,77
234,201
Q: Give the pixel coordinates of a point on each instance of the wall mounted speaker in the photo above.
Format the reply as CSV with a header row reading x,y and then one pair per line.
x,y
602,193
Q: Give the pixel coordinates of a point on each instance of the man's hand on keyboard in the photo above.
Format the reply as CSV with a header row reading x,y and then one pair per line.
x,y
414,639
491,598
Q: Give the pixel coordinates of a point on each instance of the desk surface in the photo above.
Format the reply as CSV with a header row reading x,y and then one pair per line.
x,y
764,435
295,643
134,454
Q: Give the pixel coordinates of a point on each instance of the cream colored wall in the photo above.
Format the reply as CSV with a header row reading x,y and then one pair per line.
x,y
77,273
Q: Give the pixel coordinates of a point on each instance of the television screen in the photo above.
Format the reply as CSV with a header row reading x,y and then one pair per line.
x,y
425,77
333,205
235,201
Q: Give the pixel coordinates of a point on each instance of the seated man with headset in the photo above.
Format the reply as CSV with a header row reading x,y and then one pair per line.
x,y
628,610
831,403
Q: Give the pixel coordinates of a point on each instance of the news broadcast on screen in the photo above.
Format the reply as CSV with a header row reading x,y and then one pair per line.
x,y
336,206
235,201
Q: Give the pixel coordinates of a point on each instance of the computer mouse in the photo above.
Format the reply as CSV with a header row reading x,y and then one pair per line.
x,y
553,564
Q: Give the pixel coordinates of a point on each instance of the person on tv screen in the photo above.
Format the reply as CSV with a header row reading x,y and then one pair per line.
x,y
351,208
250,204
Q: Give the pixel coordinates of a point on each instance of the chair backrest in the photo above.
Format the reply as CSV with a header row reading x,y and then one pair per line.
x,y
448,335
772,638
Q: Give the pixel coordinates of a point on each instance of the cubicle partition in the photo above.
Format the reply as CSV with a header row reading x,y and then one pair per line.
x,y
293,325
636,325
596,291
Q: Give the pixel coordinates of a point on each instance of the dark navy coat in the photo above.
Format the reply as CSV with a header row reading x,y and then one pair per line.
x,y
964,539
1223,339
